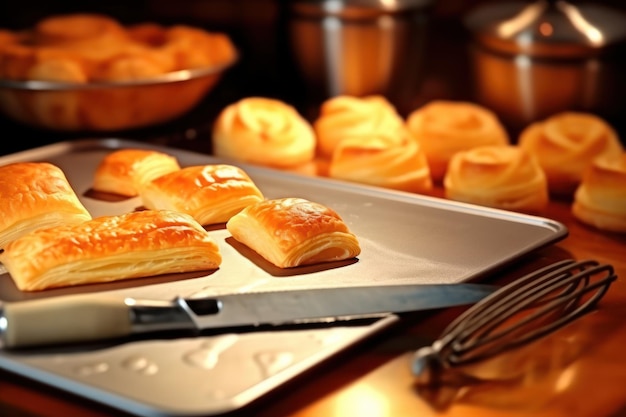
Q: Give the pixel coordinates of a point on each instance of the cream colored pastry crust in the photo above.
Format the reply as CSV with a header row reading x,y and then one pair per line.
x,y
290,232
35,195
504,177
124,171
209,193
600,199
110,248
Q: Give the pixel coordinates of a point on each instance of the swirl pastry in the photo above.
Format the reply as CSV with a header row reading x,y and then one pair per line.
x,y
266,132
348,116
566,143
110,248
504,177
36,195
124,171
600,199
290,232
447,127
387,158
209,193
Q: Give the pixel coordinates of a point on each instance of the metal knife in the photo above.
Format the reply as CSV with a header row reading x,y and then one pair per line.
x,y
89,318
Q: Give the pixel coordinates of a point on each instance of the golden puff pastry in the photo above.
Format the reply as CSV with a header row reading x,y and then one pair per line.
x,y
348,116
266,132
447,127
600,199
210,193
110,248
36,195
290,232
566,143
124,171
390,158
504,177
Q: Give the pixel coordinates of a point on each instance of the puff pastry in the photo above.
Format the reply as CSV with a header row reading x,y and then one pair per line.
x,y
124,171
210,193
504,177
349,116
600,199
566,143
36,195
447,127
110,248
389,158
290,232
264,132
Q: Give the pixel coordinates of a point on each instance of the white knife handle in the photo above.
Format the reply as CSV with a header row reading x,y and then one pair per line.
x,y
63,320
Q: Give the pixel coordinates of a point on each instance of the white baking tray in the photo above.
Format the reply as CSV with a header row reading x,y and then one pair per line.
x,y
405,239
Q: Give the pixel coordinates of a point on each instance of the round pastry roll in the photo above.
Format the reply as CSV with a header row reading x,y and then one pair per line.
x,y
504,177
348,116
566,143
264,131
447,127
386,158
600,199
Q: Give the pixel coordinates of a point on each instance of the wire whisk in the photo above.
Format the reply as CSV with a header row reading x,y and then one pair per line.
x,y
517,314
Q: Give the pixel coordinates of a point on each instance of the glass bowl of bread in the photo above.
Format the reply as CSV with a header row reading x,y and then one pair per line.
x,y
89,72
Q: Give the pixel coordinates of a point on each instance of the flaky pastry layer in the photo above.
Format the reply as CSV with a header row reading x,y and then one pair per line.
x,y
600,199
36,195
505,177
124,171
565,145
290,232
447,127
265,132
209,193
111,248
388,158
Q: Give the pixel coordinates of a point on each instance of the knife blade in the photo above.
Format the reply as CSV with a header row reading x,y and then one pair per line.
x,y
89,318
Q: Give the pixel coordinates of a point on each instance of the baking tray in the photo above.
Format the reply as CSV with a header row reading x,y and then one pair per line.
x,y
405,239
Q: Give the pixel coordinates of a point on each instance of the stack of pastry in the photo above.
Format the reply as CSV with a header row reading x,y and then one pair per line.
x,y
266,132
389,158
83,48
566,144
504,177
600,199
447,127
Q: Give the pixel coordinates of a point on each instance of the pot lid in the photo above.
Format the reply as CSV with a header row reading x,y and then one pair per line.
x,y
547,28
355,8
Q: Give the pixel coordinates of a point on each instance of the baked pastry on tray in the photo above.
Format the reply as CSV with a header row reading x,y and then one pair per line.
x,y
209,193
124,171
389,158
290,232
110,248
600,199
265,132
353,117
35,195
566,144
504,177
446,127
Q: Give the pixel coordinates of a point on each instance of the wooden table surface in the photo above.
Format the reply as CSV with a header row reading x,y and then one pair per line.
x,y
578,371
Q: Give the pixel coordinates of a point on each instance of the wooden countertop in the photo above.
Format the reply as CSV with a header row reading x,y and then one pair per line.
x,y
578,371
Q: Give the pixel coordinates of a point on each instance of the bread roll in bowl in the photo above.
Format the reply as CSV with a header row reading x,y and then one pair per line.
x,y
348,116
447,127
264,131
566,144
600,199
389,158
504,177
